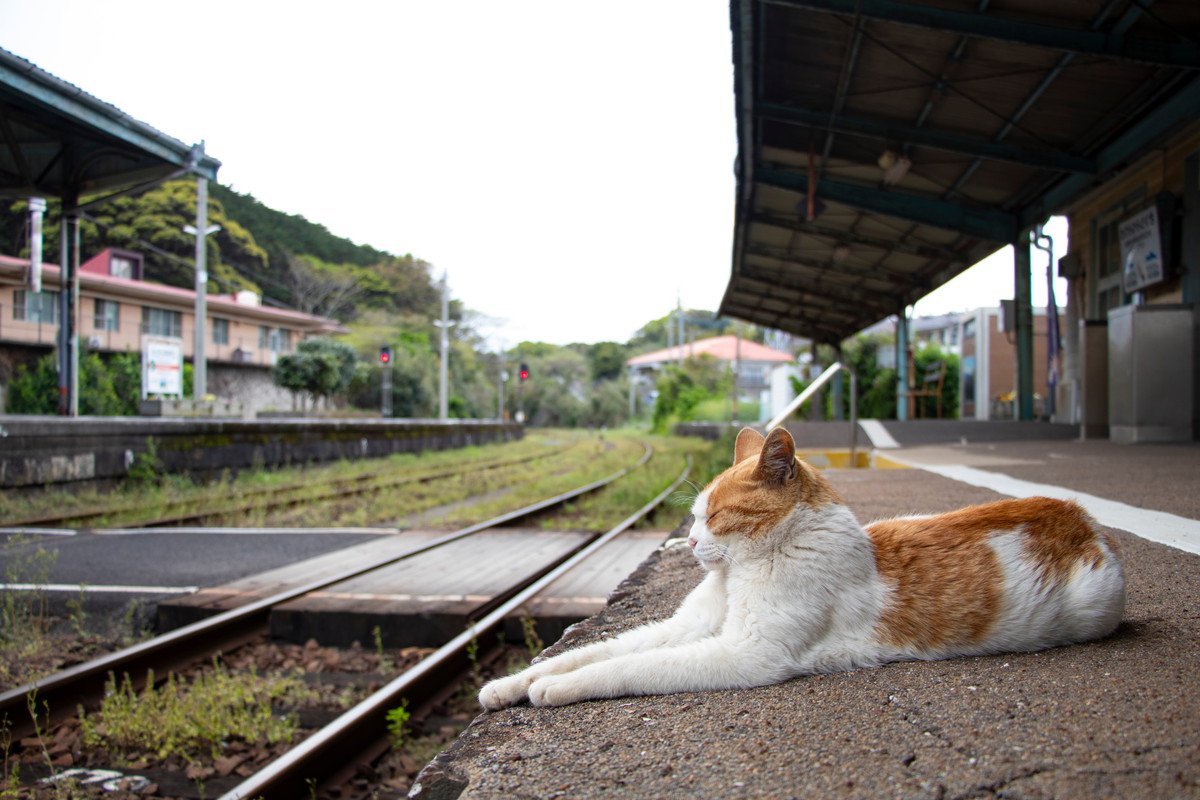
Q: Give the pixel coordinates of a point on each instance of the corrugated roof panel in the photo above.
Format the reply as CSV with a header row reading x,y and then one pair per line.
x,y
988,124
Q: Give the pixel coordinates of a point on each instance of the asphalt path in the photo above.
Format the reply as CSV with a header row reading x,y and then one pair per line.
x,y
117,569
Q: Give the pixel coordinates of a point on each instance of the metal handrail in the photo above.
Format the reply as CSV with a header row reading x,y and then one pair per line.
x,y
812,389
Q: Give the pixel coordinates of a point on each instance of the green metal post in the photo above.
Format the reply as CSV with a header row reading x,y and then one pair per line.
x,y
1022,269
837,387
902,364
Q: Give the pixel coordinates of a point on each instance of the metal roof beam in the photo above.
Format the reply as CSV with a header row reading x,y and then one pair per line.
x,y
800,224
883,275
786,293
950,142
773,282
801,326
1143,133
1036,34
982,223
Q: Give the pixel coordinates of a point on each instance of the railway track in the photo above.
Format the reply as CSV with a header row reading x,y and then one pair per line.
x,y
84,684
361,731
267,499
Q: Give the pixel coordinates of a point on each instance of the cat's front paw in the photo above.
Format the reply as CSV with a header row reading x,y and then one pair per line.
x,y
557,690
504,692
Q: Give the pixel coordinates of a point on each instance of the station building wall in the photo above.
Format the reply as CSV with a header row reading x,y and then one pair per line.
x,y
1167,177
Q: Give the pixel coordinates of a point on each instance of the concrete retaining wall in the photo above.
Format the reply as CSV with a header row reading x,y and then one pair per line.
x,y
47,450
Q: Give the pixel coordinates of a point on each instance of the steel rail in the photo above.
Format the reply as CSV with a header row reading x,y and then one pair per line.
x,y
325,752
351,490
84,683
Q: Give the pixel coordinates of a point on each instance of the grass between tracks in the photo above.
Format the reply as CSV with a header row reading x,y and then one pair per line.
x,y
562,460
137,500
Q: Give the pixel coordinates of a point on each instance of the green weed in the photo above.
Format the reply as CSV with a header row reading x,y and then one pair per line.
x,y
183,719
397,719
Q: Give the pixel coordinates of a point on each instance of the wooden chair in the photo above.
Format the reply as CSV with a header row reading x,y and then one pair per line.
x,y
931,386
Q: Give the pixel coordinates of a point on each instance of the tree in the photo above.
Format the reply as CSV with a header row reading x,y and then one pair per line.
x,y
109,385
607,360
326,290
319,367
681,389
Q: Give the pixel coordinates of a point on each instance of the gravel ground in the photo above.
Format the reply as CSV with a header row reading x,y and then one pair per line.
x,y
1115,718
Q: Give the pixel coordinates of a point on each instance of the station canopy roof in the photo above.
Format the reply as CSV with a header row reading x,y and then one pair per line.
x,y
58,141
885,147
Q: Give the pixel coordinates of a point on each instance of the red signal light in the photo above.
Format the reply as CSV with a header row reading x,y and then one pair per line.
x,y
385,355
524,373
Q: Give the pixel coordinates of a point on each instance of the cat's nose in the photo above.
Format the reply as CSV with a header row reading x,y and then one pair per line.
x,y
692,542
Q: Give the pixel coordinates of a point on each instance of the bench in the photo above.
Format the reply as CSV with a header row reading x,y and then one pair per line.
x,y
931,386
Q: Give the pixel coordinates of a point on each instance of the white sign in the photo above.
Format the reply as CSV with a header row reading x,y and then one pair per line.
x,y
1141,251
162,366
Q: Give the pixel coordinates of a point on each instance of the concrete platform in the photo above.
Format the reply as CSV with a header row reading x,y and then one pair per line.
x,y
1114,718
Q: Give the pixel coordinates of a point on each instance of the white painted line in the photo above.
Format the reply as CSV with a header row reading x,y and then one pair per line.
x,y
87,588
1157,526
880,438
38,531
244,531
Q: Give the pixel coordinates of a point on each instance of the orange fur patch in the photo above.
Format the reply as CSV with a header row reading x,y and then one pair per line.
x,y
947,579
742,503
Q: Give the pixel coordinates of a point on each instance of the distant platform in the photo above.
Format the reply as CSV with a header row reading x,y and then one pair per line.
x,y
910,433
42,450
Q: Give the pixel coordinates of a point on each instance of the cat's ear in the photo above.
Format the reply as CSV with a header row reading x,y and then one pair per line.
x,y
777,462
749,443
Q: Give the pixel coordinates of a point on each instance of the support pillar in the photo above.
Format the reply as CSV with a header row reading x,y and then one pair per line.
x,y
68,302
837,385
1023,280
902,364
816,406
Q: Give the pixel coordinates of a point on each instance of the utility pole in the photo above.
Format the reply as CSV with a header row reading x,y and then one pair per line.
x,y
503,376
679,312
201,230
737,369
443,380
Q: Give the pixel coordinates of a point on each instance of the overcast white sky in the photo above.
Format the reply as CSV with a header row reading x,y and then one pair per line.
x,y
570,165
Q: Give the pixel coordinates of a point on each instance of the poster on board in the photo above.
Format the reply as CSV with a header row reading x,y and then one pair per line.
x,y
162,366
1141,251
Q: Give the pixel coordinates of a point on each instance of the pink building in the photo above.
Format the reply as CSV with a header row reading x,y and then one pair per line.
x,y
117,307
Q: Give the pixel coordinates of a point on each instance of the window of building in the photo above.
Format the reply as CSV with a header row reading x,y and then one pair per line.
x,y
220,330
36,306
276,340
108,315
161,322
120,267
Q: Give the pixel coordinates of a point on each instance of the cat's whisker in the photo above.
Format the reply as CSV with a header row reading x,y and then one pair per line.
x,y
681,499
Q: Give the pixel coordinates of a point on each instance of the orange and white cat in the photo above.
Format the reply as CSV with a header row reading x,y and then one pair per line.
x,y
796,586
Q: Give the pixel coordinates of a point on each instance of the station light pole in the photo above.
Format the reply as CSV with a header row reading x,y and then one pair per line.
x,y
201,230
443,379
